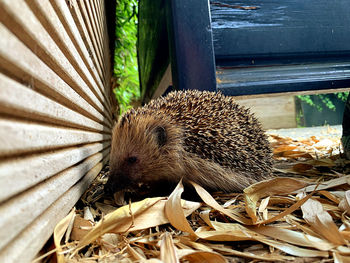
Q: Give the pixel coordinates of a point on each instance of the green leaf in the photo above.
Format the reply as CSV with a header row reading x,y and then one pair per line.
x,y
125,58
324,101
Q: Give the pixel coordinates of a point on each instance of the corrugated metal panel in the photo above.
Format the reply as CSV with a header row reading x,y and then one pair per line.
x,y
55,115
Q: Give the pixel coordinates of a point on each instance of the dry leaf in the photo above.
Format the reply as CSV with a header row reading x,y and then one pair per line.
x,y
204,256
266,188
80,228
340,259
324,143
294,250
297,154
110,241
263,204
302,167
324,162
140,215
226,232
293,237
343,250
237,232
59,231
153,260
183,240
210,201
167,249
330,196
284,148
344,204
313,138
265,257
287,211
174,211
135,254
329,184
274,224
321,222
88,215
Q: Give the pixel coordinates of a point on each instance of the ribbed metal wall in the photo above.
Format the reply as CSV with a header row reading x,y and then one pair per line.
x,y
55,115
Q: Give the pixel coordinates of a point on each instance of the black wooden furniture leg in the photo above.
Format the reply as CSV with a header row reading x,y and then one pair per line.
x,y
346,128
191,45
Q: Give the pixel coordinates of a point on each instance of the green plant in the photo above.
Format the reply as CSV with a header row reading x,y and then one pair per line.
x,y
325,101
125,56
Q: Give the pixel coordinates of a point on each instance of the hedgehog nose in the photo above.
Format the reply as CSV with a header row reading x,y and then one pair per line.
x,y
109,188
115,183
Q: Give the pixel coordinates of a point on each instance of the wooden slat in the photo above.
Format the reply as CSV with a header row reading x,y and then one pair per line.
x,y
101,13
49,19
73,20
103,37
23,136
55,115
103,27
272,112
67,20
86,7
25,246
90,30
36,168
20,211
100,22
29,30
17,100
91,45
96,25
32,71
106,47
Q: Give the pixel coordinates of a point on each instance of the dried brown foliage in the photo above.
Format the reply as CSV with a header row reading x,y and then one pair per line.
x,y
301,215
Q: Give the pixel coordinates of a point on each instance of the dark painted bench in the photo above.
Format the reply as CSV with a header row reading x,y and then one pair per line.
x,y
244,47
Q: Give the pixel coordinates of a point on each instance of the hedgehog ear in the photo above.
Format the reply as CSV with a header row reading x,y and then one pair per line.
x,y
161,135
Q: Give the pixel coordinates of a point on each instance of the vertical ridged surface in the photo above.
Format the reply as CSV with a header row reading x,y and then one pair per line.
x,y
55,115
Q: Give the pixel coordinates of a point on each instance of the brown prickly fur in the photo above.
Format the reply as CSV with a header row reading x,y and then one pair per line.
x,y
200,136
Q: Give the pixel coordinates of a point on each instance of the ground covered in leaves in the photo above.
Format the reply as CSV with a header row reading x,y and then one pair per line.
x,y
302,215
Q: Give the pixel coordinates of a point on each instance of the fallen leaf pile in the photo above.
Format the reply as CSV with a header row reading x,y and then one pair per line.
x,y
301,215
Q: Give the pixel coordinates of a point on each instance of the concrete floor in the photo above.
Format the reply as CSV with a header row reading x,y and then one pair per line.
x,y
319,132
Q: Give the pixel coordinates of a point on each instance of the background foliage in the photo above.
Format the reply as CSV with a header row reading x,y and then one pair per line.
x,y
125,57
325,101
320,109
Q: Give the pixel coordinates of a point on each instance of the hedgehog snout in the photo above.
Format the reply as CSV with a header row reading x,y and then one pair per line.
x,y
116,182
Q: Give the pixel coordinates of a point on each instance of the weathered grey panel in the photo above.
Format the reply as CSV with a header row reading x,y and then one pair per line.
x,y
281,28
55,115
18,212
33,34
73,26
17,99
31,170
30,240
33,72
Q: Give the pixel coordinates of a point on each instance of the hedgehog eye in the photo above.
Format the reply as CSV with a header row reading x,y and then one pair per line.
x,y
131,160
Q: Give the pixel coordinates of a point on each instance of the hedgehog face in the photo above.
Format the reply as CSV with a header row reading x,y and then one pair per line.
x,y
144,149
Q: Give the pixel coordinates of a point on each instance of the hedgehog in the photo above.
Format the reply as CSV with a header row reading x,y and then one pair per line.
x,y
198,136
